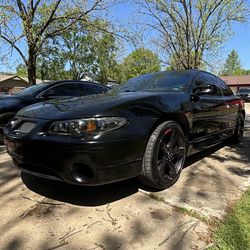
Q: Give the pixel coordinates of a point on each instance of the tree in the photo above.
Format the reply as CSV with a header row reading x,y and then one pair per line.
x,y
232,65
21,70
32,23
139,62
51,63
105,52
83,50
187,30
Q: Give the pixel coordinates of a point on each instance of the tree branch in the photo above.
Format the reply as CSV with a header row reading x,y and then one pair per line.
x,y
12,44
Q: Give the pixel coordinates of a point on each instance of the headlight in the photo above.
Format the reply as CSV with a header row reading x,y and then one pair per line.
x,y
84,126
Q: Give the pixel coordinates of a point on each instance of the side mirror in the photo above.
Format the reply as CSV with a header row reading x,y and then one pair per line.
x,y
205,89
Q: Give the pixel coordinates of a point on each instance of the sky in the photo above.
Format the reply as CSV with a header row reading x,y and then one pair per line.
x,y
241,42
125,13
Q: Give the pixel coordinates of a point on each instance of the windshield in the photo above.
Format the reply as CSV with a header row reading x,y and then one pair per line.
x,y
33,89
244,90
166,81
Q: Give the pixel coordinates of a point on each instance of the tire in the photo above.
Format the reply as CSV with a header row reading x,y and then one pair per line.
x,y
239,129
164,156
4,119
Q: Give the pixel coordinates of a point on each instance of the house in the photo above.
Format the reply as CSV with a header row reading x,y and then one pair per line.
x,y
10,83
236,82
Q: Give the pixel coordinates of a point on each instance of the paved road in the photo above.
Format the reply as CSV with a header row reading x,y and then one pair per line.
x,y
41,214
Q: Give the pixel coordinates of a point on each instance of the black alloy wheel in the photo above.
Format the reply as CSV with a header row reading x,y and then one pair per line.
x,y
164,156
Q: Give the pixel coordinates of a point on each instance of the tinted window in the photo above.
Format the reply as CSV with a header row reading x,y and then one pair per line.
x,y
66,89
167,81
226,91
90,89
244,90
33,90
206,78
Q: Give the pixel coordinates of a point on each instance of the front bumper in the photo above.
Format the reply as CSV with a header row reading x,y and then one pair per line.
x,y
111,157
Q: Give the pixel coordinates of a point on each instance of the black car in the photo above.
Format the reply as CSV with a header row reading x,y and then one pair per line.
x,y
145,127
244,93
9,105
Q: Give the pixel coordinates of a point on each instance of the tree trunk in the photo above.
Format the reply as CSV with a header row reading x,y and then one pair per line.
x,y
31,67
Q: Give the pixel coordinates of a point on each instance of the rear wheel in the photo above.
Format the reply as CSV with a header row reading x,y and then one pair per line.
x,y
4,119
239,129
164,156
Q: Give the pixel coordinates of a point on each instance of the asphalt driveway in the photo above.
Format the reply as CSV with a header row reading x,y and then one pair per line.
x,y
41,214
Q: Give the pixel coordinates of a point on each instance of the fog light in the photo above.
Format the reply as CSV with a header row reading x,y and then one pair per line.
x,y
81,172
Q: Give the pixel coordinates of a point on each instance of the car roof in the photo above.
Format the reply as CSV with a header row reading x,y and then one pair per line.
x,y
73,81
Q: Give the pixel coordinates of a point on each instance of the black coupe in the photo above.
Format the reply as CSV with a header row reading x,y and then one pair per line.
x,y
145,127
9,105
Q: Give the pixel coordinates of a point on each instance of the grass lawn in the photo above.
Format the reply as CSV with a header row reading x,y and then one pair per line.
x,y
234,232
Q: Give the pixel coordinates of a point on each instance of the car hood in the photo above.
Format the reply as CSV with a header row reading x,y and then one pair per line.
x,y
8,101
107,104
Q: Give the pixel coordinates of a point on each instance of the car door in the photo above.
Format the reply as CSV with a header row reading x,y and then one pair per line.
x,y
209,109
232,103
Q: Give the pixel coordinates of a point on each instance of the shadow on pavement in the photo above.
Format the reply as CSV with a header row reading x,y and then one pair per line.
x,y
80,195
203,154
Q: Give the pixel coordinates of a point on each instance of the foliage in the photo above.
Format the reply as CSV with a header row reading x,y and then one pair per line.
x,y
21,70
232,65
188,30
105,51
84,50
51,63
28,25
234,233
175,63
245,72
140,61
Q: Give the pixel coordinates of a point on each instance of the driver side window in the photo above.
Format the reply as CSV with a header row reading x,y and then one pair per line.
x,y
204,78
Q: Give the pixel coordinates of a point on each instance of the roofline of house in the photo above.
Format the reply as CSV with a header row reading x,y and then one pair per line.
x,y
13,76
238,84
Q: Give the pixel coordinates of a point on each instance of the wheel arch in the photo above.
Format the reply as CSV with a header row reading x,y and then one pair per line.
x,y
179,118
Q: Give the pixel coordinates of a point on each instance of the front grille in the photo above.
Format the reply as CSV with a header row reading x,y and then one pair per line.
x,y
26,127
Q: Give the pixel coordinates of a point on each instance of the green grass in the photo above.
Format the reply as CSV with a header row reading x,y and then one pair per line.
x,y
234,232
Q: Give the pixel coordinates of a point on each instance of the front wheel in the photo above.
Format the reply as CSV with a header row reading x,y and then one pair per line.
x,y
164,156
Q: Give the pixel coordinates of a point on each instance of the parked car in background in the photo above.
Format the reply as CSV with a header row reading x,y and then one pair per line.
x,y
9,105
244,93
145,127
